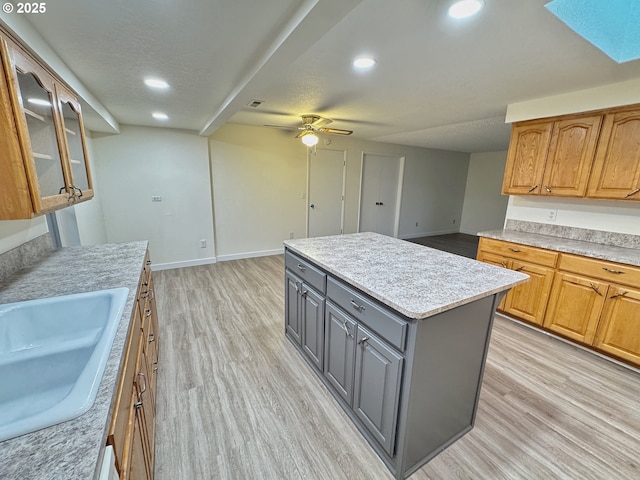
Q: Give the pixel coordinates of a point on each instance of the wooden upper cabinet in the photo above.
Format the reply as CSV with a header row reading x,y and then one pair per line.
x,y
616,171
551,157
38,173
571,153
526,158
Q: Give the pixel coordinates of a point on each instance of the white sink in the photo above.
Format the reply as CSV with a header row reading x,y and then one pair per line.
x,y
52,356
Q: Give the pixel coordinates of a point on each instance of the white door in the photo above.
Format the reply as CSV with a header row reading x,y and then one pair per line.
x,y
326,190
379,193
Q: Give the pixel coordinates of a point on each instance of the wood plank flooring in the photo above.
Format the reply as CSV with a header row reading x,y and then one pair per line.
x,y
458,243
236,400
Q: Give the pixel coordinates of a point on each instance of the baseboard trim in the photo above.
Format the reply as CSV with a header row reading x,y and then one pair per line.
x,y
240,256
187,263
426,234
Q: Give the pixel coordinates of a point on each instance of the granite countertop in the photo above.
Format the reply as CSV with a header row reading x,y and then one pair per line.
x,y
412,279
73,450
630,256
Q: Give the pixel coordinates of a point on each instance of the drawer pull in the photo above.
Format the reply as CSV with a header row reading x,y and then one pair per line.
x,y
519,268
532,188
595,289
617,272
362,340
346,329
144,388
148,262
516,250
547,189
360,308
147,312
152,337
632,193
301,268
618,295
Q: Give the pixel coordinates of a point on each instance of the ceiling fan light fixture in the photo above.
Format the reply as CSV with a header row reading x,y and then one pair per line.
x,y
309,139
465,8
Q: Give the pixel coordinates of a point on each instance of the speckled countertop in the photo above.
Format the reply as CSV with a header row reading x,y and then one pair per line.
x,y
414,280
630,256
72,450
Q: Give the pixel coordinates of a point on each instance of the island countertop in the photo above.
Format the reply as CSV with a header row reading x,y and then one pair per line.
x,y
414,280
73,450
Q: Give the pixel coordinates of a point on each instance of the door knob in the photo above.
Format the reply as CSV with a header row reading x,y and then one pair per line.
x,y
312,205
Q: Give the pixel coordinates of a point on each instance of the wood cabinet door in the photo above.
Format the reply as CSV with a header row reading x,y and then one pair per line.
x,y
616,171
526,158
339,351
528,301
619,329
575,306
377,387
313,325
292,314
571,154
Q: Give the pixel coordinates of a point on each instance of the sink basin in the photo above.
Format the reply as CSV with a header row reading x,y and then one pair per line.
x,y
52,356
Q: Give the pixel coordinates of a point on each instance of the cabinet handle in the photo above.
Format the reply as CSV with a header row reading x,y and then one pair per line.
x,y
148,262
532,188
504,265
516,250
304,293
302,269
618,295
152,337
360,308
144,388
362,340
346,329
297,289
519,268
617,272
595,289
632,193
147,312
547,189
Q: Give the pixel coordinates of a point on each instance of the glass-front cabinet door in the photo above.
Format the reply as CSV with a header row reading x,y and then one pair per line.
x,y
75,143
39,134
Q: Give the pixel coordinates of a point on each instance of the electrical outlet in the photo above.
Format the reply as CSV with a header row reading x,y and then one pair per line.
x,y
156,198
552,215
203,243
290,235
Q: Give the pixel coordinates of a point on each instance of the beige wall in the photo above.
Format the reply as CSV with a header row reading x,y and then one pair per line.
x,y
260,176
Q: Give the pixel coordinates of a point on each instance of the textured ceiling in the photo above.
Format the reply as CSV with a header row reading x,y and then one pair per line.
x,y
438,83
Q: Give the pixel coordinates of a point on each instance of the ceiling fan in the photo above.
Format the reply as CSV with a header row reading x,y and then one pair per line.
x,y
311,126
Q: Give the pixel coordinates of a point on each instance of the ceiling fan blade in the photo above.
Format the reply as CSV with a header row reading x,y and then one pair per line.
x,y
335,131
285,127
316,121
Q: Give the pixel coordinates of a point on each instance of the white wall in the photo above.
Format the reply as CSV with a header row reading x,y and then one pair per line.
x,y
89,215
258,186
143,162
484,206
14,233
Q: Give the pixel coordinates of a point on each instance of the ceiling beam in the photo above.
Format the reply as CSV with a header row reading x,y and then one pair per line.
x,y
309,24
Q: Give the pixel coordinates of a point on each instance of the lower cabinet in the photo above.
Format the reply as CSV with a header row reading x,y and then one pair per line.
x,y
132,430
340,351
619,329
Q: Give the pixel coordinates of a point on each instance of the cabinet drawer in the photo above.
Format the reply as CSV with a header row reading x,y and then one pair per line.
x,y
521,252
613,272
390,327
306,271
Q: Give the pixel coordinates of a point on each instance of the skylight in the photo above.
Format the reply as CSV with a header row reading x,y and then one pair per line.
x,y
613,26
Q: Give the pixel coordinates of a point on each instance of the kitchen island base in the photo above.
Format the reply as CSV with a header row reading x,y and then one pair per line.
x,y
411,386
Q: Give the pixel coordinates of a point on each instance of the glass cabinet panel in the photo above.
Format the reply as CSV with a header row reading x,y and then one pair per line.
x,y
73,133
38,107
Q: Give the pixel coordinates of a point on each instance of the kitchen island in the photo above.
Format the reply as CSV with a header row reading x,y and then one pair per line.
x,y
398,333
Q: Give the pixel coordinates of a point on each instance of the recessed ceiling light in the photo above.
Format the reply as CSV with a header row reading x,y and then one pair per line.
x,y
160,116
156,83
364,62
465,8
39,101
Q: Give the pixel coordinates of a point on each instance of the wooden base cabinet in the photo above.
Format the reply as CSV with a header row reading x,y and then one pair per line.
x,y
132,430
619,328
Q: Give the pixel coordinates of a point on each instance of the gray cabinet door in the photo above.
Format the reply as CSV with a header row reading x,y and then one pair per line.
x,y
377,387
292,314
339,351
312,324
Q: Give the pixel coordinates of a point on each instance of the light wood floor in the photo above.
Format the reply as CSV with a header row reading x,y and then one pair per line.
x,y
236,401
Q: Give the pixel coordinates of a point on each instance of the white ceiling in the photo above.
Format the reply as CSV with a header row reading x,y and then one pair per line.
x,y
438,83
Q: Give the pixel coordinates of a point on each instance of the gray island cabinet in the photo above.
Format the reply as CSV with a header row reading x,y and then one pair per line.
x,y
398,333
